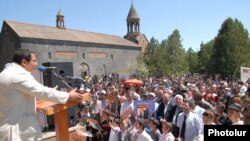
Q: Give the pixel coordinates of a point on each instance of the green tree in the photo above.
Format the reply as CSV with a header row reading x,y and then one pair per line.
x,y
175,54
231,49
138,69
193,61
204,55
149,55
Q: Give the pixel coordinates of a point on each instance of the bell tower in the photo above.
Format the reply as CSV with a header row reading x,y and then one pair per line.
x,y
60,20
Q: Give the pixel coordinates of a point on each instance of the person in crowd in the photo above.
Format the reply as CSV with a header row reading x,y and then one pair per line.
x,y
95,108
141,135
151,96
197,97
234,113
124,134
179,101
128,103
190,124
198,110
115,129
221,118
101,95
246,116
158,96
154,132
105,126
166,131
208,117
18,93
165,108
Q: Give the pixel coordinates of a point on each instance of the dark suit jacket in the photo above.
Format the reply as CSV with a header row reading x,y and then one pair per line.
x,y
169,113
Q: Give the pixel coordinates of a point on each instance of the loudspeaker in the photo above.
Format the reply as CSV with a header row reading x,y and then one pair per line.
x,y
62,69
50,79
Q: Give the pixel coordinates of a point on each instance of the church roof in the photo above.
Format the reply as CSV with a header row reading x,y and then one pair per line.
x,y
132,14
25,30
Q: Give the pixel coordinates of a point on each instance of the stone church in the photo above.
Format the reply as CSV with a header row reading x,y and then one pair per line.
x,y
85,53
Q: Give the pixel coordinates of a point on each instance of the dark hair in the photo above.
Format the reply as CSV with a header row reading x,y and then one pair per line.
x,y
21,54
209,114
141,122
168,125
190,102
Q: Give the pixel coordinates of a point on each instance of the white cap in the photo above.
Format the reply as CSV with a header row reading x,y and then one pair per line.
x,y
152,94
87,90
101,91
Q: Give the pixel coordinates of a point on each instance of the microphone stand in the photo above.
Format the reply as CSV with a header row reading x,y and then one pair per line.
x,y
68,86
62,80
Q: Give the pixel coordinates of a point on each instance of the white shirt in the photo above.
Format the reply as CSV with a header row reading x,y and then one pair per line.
x,y
167,137
144,136
113,135
193,125
18,93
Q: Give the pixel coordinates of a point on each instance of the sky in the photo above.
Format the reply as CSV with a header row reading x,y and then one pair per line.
x,y
197,20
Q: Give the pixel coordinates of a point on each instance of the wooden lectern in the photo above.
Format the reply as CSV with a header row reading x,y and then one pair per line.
x,y
61,115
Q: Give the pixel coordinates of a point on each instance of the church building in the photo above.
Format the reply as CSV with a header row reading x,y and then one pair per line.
x,y
82,53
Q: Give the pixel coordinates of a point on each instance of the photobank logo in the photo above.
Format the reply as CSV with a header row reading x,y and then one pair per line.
x,y
241,132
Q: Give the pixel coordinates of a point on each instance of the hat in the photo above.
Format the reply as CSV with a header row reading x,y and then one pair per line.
x,y
87,90
235,106
151,94
101,92
155,121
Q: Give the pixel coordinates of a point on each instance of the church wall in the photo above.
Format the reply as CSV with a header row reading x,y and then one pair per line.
x,y
9,42
102,59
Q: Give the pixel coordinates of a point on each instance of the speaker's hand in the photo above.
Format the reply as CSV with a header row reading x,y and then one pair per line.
x,y
75,96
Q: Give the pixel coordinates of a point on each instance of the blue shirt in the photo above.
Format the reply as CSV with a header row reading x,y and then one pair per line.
x,y
193,125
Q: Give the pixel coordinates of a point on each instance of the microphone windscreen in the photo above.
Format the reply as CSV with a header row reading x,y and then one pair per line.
x,y
41,68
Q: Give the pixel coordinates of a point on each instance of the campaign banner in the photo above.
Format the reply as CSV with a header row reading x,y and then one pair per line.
x,y
128,118
144,108
244,73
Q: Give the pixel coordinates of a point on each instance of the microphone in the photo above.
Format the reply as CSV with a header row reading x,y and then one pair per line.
x,y
43,68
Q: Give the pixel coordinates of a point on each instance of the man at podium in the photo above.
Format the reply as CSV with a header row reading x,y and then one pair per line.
x,y
18,91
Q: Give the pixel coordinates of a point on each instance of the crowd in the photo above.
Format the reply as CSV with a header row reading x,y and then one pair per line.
x,y
182,106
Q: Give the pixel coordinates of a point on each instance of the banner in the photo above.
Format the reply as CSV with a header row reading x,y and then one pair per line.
x,y
245,74
144,108
128,118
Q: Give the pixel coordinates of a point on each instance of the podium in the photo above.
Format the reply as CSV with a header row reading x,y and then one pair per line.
x,y
61,115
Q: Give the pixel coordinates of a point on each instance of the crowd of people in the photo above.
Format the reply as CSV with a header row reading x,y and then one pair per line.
x,y
157,109
182,106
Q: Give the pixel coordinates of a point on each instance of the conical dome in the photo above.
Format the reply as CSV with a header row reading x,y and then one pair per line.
x,y
59,13
132,15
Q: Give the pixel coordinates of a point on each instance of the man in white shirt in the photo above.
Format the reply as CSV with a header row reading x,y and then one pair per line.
x,y
141,135
190,124
18,93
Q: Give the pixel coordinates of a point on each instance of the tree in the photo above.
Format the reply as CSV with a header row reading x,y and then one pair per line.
x,y
231,49
193,61
175,54
166,58
205,60
149,55
138,69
